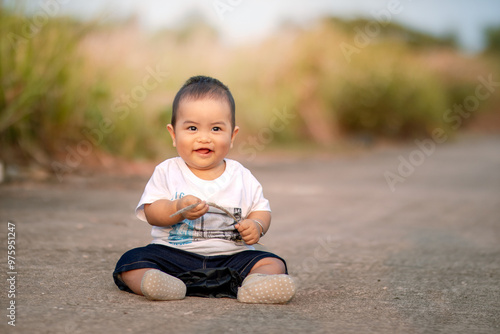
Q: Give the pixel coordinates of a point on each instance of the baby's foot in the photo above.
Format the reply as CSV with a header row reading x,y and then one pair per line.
x,y
157,285
266,289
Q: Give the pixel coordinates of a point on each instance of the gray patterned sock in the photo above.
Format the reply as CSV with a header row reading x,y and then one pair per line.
x,y
157,285
266,289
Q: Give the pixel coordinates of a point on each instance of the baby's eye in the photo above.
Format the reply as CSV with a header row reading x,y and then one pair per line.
x,y
216,128
192,128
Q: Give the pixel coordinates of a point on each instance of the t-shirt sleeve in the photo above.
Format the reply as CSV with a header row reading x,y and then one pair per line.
x,y
156,188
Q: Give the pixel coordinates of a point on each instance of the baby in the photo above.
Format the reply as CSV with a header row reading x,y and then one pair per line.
x,y
206,212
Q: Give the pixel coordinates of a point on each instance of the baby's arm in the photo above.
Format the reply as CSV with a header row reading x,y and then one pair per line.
x,y
250,230
158,213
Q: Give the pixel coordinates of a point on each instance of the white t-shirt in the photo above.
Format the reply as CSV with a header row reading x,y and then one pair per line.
x,y
236,190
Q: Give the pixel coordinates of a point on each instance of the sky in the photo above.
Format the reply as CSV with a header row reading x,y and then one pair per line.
x,y
240,20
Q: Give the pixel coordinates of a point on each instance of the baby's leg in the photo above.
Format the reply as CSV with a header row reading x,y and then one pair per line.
x,y
269,266
134,272
154,284
133,279
267,283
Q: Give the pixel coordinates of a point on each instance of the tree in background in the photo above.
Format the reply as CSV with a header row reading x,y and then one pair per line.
x,y
492,36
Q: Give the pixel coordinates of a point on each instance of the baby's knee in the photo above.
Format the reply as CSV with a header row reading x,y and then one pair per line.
x,y
270,265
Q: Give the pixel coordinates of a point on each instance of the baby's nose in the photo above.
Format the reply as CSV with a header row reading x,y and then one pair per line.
x,y
204,138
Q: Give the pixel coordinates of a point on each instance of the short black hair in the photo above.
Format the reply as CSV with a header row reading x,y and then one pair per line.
x,y
201,86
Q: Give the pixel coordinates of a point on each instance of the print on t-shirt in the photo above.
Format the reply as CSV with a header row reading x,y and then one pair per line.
x,y
215,224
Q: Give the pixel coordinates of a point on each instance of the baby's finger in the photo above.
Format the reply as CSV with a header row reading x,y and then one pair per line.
x,y
249,240
202,211
242,228
185,209
248,233
189,200
195,207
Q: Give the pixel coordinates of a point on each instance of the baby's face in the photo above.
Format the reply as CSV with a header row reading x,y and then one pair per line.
x,y
203,134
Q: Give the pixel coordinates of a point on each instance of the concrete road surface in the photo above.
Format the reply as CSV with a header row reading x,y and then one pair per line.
x,y
395,240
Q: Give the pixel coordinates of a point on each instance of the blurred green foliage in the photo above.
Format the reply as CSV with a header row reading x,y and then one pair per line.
x,y
492,36
389,30
45,98
382,88
66,85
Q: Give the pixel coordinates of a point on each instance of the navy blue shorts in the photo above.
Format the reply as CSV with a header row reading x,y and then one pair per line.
x,y
204,276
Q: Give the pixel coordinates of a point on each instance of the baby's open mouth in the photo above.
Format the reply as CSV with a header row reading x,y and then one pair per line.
x,y
203,150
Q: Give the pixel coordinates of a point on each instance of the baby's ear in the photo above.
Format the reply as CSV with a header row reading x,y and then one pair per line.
x,y
171,130
233,135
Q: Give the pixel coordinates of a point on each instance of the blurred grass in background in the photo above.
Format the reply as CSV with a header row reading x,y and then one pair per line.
x,y
73,91
45,97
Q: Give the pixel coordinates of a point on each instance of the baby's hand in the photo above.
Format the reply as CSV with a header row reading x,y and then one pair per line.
x,y
249,231
195,212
